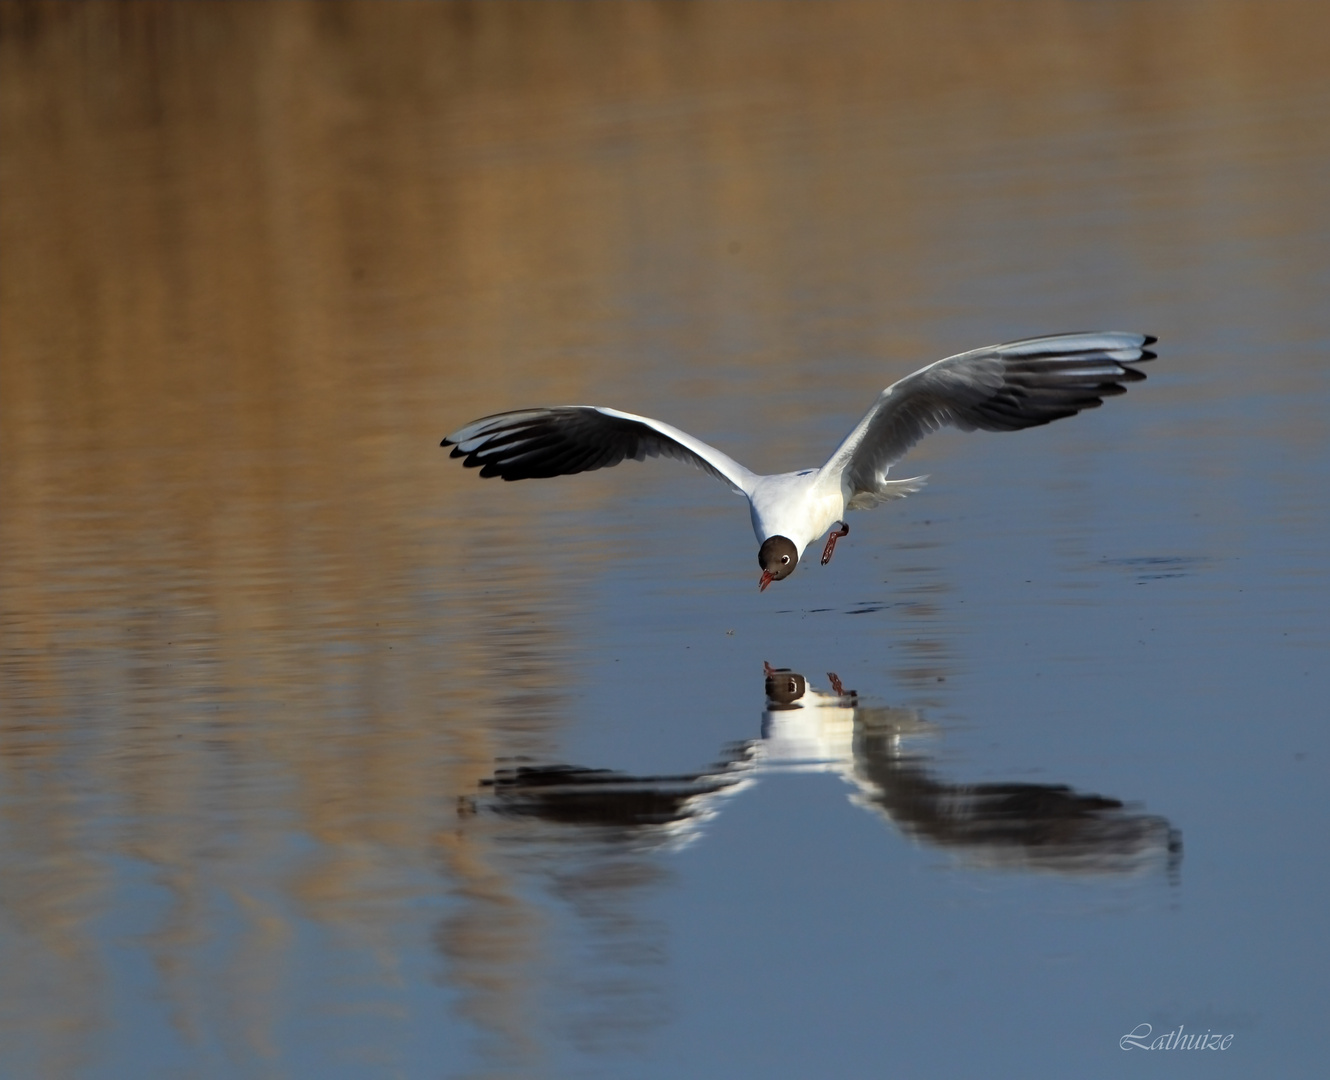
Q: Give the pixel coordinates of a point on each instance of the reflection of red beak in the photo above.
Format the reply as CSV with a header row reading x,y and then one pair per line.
x,y
766,580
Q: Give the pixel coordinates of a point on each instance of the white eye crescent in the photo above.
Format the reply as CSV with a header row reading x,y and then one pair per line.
x,y
784,558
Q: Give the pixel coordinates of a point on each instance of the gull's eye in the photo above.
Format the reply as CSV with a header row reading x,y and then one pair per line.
x,y
784,558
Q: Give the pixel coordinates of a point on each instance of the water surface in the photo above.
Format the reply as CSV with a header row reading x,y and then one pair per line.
x,y
319,756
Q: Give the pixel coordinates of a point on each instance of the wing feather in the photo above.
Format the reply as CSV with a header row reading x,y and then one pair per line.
x,y
538,443
998,388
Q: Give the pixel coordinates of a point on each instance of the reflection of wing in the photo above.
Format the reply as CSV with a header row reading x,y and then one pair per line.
x,y
652,809
1013,825
1035,826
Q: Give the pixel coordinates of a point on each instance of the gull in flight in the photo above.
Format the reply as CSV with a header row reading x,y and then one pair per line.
x,y
999,388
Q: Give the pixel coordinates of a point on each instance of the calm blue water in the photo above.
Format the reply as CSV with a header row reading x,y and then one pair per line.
x,y
319,756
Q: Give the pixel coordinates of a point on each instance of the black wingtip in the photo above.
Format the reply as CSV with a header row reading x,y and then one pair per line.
x,y
446,442
1150,339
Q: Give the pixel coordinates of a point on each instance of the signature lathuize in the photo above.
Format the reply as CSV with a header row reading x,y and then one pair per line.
x,y
1138,1038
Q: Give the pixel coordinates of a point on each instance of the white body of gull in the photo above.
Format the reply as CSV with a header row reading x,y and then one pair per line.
x,y
999,388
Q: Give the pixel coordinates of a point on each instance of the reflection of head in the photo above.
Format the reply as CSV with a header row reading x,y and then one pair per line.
x,y
784,688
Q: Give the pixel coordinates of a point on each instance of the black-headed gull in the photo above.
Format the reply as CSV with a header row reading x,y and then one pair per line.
x,y
999,388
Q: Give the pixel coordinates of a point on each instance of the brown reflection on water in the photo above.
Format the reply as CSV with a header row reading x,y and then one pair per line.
x,y
256,259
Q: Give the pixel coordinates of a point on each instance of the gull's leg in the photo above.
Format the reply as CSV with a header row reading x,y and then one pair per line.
x,y
838,687
844,530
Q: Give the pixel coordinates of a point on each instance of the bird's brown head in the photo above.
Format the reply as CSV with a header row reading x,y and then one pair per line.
x,y
778,557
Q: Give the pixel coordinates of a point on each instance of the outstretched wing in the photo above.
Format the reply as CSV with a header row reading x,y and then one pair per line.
x,y
1000,388
567,439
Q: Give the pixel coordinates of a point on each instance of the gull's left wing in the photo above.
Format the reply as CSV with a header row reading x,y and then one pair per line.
x,y
999,388
567,439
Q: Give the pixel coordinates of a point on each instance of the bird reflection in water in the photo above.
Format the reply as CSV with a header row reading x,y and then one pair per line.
x,y
593,837
1014,825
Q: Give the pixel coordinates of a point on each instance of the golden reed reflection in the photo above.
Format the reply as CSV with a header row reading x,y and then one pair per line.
x,y
255,259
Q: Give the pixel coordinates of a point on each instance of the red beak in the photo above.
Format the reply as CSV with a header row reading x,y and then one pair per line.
x,y
766,580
